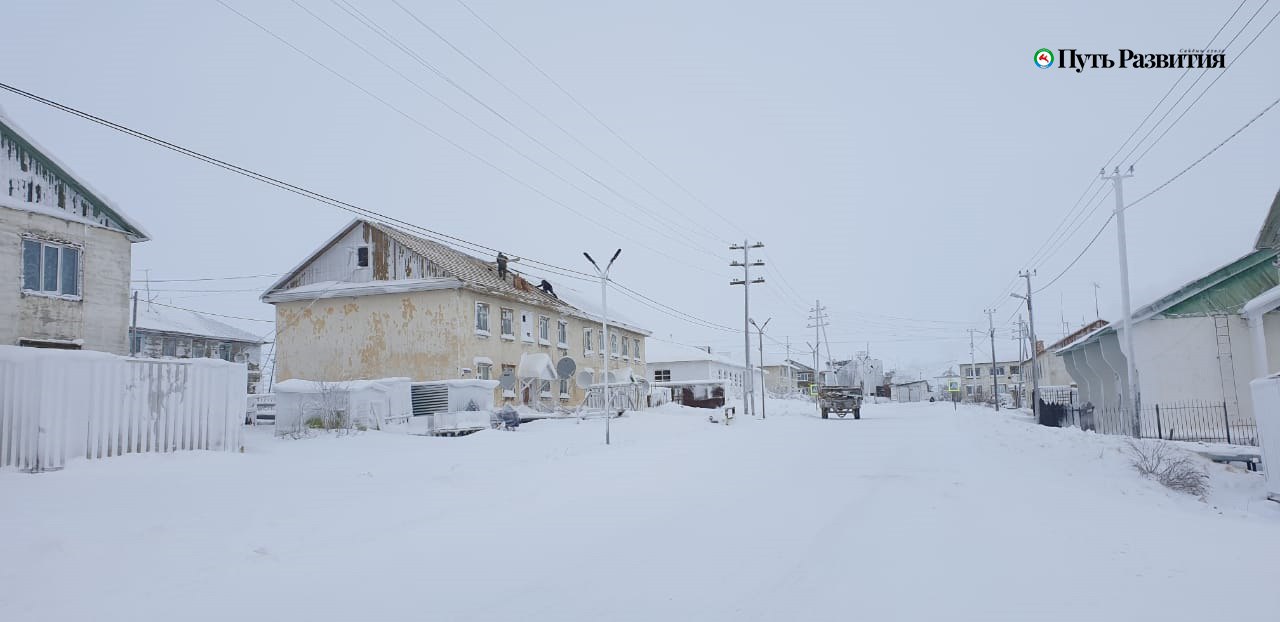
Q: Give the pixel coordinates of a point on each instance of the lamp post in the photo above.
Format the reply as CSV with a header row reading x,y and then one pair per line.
x,y
604,324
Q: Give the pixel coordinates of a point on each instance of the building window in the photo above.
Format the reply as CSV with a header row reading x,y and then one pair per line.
x,y
587,342
508,321
544,389
999,371
198,349
484,371
635,349
564,388
482,318
224,351
138,341
613,345
362,256
562,334
626,348
50,268
169,347
600,343
526,326
544,330
662,375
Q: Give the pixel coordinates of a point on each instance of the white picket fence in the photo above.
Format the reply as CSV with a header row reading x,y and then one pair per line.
x,y
56,405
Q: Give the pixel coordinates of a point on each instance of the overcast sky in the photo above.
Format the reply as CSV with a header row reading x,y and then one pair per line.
x,y
901,161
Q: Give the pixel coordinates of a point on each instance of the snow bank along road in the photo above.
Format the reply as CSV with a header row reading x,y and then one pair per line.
x,y
914,513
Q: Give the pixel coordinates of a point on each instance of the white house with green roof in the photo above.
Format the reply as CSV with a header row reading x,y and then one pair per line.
x,y
1192,344
65,253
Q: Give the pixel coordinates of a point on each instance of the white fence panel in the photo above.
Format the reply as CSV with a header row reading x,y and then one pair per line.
x,y
56,405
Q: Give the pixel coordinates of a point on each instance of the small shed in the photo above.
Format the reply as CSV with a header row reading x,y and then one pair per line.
x,y
696,393
349,403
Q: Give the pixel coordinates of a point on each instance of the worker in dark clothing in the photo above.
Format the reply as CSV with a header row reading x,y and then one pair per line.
x,y
502,266
546,287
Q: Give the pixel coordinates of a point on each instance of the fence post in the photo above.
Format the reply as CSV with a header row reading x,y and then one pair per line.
x,y
1226,421
1159,429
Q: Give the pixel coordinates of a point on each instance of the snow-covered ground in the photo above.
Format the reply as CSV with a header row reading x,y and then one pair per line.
x,y
916,512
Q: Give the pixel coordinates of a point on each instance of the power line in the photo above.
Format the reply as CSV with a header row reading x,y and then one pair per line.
x,y
445,239
1206,90
600,121
377,29
209,278
415,17
1159,188
233,317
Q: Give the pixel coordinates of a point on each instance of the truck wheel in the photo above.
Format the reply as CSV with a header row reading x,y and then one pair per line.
x,y
824,413
857,414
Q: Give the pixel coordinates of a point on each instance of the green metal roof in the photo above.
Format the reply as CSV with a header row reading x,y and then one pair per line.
x,y
1224,290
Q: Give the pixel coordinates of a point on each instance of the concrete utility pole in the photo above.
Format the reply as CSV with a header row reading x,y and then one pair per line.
x,y
991,329
790,389
763,392
1097,315
1134,403
746,282
973,361
1035,354
604,327
819,327
133,328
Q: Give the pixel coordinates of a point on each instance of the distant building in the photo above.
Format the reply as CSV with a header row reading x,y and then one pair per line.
x,y
168,332
64,253
674,363
782,376
912,391
976,379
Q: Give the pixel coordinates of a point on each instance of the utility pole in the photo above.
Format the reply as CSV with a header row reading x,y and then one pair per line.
x,y
1097,315
1035,351
604,323
813,385
1021,337
991,329
819,326
763,392
1134,403
746,282
973,362
133,328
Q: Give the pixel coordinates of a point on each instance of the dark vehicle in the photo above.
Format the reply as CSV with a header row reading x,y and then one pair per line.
x,y
840,400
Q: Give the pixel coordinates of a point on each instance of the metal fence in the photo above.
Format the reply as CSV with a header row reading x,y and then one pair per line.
x,y
56,405
1176,421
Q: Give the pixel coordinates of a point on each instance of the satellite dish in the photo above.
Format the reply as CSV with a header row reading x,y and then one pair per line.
x,y
585,379
507,381
565,367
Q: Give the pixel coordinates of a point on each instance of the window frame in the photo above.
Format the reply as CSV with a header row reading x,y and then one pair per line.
x,y
63,252
562,334
613,345
588,341
544,330
482,331
484,371
507,322
662,375
363,248
635,349
626,349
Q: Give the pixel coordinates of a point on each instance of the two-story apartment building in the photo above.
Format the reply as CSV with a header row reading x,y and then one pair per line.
x,y
377,302
164,331
65,253
976,379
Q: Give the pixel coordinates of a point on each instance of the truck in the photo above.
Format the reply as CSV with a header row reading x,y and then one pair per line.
x,y
836,397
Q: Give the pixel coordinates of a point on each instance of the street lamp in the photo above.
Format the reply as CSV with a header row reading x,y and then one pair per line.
x,y
604,323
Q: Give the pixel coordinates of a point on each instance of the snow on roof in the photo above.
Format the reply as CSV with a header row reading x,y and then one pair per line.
x,y
340,289
667,352
536,365
139,234
165,319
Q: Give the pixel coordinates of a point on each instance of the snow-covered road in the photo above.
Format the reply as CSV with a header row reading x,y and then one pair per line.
x,y
916,512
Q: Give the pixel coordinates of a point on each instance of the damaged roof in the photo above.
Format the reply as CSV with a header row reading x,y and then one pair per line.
x,y
470,272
